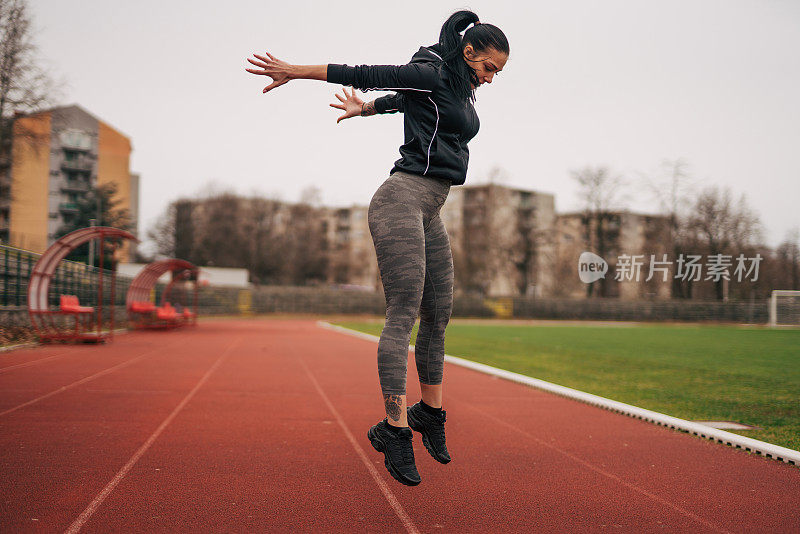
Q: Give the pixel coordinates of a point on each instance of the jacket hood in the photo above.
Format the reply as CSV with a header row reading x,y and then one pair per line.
x,y
428,54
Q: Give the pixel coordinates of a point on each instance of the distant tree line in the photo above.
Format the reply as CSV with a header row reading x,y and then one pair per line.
x,y
278,243
282,243
707,222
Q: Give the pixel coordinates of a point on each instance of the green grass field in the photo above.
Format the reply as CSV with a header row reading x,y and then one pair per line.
x,y
748,375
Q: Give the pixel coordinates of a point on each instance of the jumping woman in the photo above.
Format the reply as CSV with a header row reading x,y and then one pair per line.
x,y
435,92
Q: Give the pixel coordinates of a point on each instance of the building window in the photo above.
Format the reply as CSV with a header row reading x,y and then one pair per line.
x,y
76,139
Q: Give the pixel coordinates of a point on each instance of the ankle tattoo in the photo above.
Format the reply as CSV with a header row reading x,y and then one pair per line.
x,y
393,404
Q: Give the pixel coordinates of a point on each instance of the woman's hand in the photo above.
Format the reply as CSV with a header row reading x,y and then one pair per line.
x,y
280,71
351,104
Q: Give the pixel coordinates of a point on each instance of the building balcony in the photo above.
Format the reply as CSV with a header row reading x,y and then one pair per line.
x,y
75,187
68,207
77,165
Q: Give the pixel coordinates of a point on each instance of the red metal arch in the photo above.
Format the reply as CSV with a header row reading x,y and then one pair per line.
x,y
145,281
45,268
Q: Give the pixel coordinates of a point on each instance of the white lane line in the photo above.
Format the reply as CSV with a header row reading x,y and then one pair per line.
x,y
393,502
601,471
560,451
17,346
763,448
34,362
83,380
98,500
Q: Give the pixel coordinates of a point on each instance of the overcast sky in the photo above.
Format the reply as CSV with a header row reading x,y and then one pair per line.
x,y
625,84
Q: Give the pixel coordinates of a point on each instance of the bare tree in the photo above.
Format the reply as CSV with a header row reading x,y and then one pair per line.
x,y
302,256
720,225
24,86
788,260
601,193
498,175
276,242
220,239
599,189
311,196
264,236
477,263
672,191
162,233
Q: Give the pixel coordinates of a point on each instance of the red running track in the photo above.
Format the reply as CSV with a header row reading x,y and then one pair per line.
x,y
260,426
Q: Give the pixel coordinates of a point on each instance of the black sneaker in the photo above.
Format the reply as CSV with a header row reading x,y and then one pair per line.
x,y
398,452
432,429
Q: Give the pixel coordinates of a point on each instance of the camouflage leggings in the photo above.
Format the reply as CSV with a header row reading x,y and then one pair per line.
x,y
416,267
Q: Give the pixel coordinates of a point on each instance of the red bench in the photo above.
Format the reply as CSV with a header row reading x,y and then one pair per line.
x,y
188,316
139,306
69,305
167,313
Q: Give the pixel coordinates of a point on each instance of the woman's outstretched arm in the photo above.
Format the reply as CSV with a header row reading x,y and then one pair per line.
x,y
353,106
414,76
281,72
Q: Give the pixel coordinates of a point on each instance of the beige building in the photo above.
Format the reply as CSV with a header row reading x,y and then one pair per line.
x,y
351,255
505,241
501,239
58,155
626,241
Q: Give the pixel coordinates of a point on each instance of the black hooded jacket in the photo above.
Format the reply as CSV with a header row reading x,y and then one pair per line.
x,y
437,124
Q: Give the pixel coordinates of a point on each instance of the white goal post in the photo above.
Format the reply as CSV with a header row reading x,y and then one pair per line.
x,y
789,317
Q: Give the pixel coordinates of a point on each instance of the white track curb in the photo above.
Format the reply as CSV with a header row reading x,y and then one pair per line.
x,y
33,344
734,440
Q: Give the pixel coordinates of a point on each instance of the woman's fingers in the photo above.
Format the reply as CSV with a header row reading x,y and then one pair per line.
x,y
257,63
273,85
264,59
337,106
339,97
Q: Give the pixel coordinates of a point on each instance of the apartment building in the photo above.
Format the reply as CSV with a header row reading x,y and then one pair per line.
x,y
505,241
501,239
57,156
616,236
352,259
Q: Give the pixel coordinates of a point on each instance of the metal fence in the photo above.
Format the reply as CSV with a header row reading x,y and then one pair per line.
x,y
71,278
78,279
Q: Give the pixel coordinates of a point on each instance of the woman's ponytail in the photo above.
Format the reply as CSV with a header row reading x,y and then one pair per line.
x,y
481,36
462,77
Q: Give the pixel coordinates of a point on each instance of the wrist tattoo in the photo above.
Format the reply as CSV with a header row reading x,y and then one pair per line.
x,y
368,109
393,404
